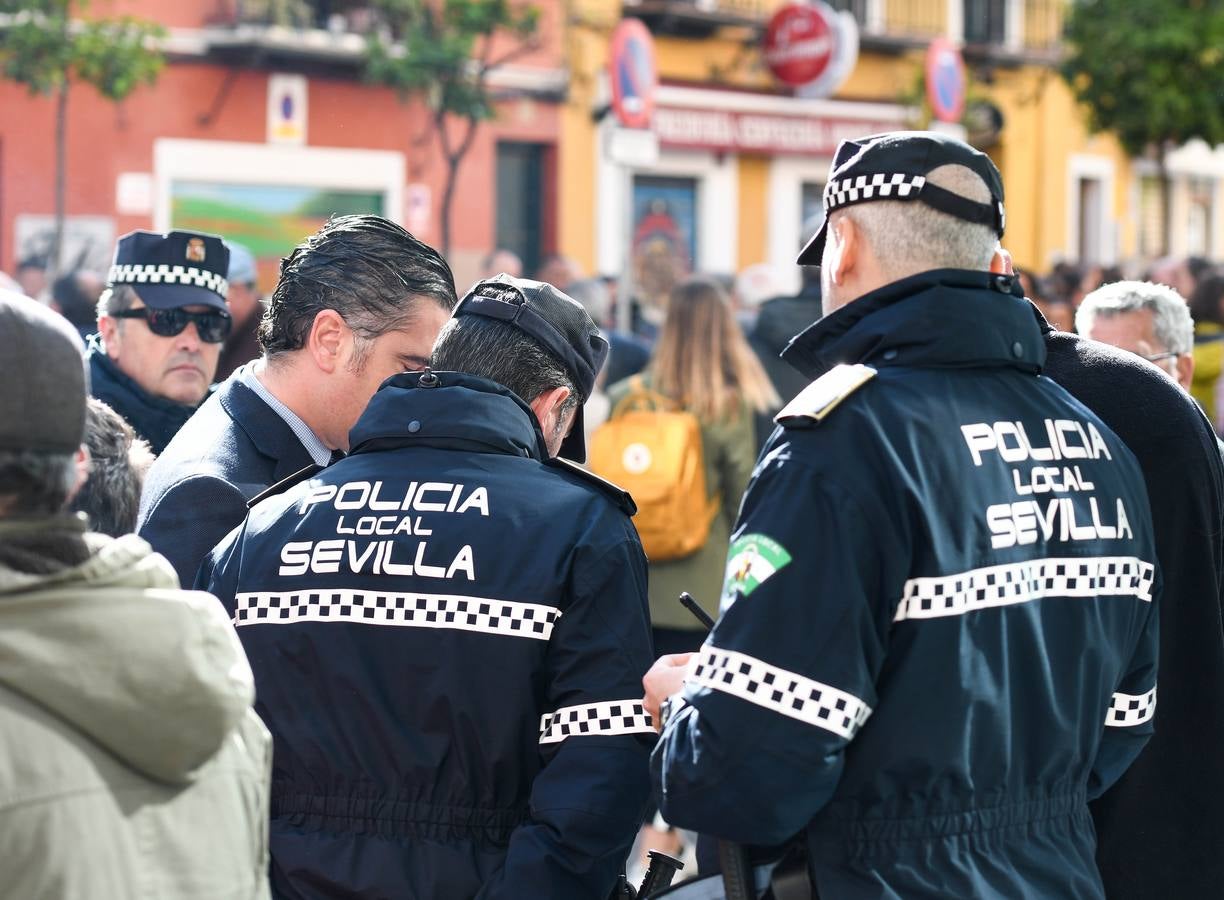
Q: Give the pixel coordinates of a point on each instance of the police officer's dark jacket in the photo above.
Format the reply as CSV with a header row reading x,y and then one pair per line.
x,y
938,639
448,633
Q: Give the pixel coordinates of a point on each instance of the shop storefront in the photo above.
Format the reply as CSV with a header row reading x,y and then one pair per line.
x,y
738,174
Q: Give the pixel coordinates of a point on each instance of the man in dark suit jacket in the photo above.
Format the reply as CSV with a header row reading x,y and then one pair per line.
x,y
358,301
1160,828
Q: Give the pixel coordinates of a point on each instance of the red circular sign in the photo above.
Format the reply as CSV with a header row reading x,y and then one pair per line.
x,y
945,80
634,76
798,44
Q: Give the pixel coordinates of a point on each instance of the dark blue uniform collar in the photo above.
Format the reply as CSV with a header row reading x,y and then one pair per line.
x,y
952,318
458,412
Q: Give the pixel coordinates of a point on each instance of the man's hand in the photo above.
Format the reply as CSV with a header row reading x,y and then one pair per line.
x,y
665,678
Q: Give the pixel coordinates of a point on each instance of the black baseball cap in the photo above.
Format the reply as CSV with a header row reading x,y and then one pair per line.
x,y
42,368
558,322
179,268
894,166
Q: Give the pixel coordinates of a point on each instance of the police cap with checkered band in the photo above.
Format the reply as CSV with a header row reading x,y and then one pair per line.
x,y
560,325
179,268
894,166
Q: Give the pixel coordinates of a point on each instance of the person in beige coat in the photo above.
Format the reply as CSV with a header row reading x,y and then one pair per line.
x,y
131,761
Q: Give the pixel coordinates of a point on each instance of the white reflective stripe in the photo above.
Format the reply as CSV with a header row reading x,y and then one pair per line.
x,y
370,607
1131,709
781,691
606,718
167,274
869,187
1033,579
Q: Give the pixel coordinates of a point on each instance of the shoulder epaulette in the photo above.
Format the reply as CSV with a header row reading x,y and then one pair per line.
x,y
284,484
615,493
816,401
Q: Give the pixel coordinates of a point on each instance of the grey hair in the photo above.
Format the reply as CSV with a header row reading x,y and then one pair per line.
x,y
34,483
502,353
118,463
1172,324
116,299
909,237
592,293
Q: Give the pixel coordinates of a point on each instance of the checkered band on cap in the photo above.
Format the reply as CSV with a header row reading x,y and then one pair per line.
x,y
858,188
372,607
1131,709
1022,582
164,274
607,718
780,691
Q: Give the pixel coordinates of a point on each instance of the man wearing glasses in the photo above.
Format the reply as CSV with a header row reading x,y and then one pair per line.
x,y
161,322
1149,320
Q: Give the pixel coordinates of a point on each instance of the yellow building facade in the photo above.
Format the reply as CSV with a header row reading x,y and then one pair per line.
x,y
742,159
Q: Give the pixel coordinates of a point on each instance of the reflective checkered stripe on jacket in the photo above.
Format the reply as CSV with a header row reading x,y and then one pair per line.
x,y
595,719
371,607
781,691
1021,582
1126,710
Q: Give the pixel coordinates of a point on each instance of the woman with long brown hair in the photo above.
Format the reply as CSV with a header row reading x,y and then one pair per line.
x,y
703,364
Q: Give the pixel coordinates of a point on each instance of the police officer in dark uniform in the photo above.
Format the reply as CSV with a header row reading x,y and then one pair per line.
x,y
448,629
938,629
161,322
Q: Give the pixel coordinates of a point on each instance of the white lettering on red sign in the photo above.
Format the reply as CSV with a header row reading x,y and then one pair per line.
x,y
715,129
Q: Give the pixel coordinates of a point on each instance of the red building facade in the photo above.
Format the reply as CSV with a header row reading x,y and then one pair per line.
x,y
258,132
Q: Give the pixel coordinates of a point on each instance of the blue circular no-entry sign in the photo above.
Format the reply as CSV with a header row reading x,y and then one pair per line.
x,y
634,74
945,80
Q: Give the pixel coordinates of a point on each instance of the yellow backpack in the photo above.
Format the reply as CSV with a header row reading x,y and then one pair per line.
x,y
652,449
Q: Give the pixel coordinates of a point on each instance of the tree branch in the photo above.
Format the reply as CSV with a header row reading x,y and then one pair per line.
x,y
468,137
509,56
440,127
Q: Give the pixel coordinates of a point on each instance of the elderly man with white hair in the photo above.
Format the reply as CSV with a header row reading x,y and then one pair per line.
x,y
1149,320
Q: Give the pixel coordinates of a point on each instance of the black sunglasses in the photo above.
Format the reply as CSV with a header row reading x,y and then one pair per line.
x,y
213,326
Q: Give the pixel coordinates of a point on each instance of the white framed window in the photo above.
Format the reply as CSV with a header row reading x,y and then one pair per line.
x,y
375,175
715,184
269,197
796,186
869,14
1201,216
995,22
1197,171
1091,236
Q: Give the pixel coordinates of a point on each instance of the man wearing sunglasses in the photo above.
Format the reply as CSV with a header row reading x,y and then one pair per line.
x,y
161,322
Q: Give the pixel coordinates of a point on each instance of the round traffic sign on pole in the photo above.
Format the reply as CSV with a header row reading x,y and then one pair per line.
x,y
634,74
799,44
945,80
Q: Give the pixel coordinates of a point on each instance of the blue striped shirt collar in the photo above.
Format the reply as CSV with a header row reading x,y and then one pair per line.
x,y
319,452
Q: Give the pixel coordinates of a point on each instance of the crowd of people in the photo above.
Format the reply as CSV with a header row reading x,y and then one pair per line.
x,y
370,589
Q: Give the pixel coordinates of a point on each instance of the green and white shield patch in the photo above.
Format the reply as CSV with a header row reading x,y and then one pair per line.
x,y
751,561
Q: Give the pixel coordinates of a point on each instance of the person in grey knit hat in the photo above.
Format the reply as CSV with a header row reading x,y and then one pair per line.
x,y
131,760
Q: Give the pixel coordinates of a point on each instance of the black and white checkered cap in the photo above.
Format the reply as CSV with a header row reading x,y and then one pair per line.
x,y
894,166
557,322
179,268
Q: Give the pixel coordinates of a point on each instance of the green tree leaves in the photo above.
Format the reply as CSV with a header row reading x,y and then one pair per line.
x,y
1151,71
43,47
443,52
